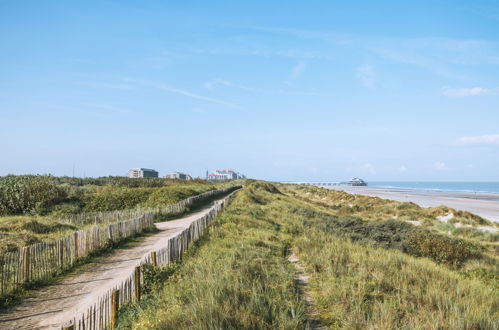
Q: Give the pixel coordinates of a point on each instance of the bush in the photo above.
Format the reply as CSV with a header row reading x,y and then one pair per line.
x,y
120,199
387,233
441,249
172,194
28,194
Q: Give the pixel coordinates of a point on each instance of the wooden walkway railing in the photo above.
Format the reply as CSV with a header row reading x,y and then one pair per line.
x,y
102,313
41,261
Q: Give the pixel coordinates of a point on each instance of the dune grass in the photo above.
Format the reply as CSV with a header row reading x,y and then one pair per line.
x,y
358,286
237,278
361,273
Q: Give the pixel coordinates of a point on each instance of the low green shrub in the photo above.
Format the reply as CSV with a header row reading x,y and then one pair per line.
x,y
170,195
483,274
440,248
387,233
119,199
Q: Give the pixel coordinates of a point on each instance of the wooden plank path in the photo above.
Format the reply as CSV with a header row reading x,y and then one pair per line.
x,y
86,297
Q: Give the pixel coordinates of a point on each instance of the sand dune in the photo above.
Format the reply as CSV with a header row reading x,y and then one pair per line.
x,y
484,205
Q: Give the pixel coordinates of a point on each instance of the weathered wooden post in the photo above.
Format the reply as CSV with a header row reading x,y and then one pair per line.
x,y
61,254
137,283
154,258
26,264
76,244
115,304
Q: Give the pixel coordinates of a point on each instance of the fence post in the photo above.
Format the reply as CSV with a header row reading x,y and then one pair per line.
x,y
61,253
154,258
26,264
76,244
137,283
115,304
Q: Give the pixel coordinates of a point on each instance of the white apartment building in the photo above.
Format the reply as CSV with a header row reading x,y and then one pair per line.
x,y
142,173
220,175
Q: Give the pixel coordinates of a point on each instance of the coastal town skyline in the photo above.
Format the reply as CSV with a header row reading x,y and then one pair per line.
x,y
281,91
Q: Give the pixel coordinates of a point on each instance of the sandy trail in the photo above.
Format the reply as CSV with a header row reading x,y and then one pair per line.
x,y
57,303
484,205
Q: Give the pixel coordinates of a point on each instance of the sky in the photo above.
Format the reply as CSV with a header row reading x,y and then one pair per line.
x,y
277,90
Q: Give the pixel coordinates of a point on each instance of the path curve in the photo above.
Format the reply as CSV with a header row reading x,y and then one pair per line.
x,y
53,305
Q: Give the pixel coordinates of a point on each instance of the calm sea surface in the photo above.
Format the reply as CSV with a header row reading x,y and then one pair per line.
x,y
485,187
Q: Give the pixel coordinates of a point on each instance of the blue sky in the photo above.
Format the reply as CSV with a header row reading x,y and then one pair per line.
x,y
281,90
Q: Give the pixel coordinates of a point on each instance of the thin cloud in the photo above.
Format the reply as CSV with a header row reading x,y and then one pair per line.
x,y
212,84
440,166
178,91
491,139
463,92
110,108
438,55
217,82
297,70
367,76
104,85
294,54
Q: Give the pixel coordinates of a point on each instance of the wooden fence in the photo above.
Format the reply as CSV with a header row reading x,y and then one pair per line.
x,y
41,261
118,215
102,313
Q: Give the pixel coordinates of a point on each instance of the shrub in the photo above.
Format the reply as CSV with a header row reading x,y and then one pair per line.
x,y
28,194
124,198
441,249
172,194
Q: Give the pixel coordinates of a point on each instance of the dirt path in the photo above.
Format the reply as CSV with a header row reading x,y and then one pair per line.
x,y
315,322
55,304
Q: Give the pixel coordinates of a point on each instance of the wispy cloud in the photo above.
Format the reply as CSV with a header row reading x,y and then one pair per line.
x,y
109,108
440,166
104,85
182,92
441,56
217,82
212,84
297,70
473,91
491,139
366,75
269,53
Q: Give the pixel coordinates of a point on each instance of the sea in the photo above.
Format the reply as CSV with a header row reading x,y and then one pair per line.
x,y
465,186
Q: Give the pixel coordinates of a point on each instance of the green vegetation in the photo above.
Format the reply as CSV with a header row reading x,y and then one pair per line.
x,y
31,206
367,269
238,278
48,195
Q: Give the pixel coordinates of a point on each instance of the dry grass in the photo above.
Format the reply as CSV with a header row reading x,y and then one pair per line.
x,y
239,277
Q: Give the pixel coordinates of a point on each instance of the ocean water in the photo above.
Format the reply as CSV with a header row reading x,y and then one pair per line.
x,y
482,187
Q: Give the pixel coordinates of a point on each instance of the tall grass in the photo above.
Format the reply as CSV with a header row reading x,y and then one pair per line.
x,y
357,286
361,276
238,278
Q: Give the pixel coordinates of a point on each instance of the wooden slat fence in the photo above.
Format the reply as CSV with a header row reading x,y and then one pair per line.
x,y
41,261
118,215
99,314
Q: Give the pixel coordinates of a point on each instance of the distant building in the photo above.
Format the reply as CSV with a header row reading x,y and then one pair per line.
x,y
178,175
357,182
142,173
220,175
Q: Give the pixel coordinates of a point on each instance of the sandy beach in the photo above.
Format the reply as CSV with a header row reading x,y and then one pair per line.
x,y
484,205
